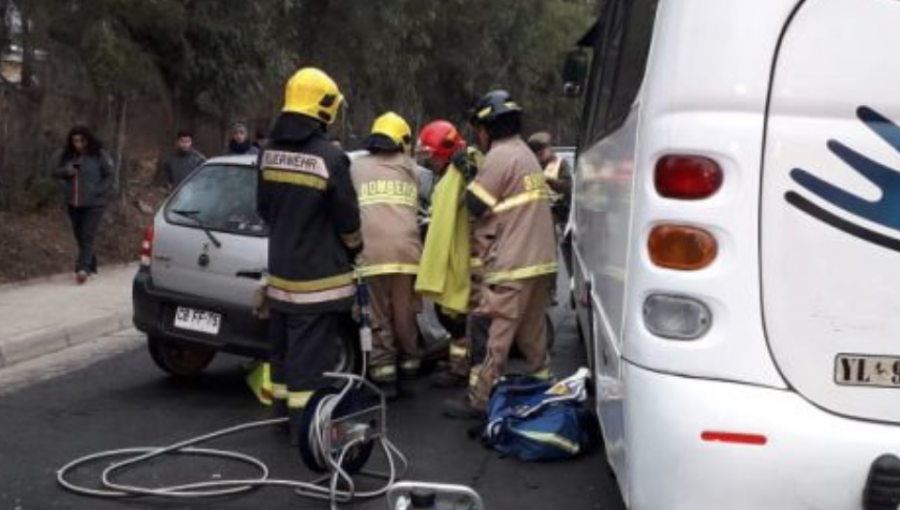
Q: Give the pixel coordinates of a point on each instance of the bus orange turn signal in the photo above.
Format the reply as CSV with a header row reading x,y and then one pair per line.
x,y
682,248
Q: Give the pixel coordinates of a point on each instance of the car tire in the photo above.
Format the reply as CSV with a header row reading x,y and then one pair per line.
x,y
177,359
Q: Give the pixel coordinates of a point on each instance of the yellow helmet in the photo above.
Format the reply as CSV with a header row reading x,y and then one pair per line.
x,y
313,93
389,132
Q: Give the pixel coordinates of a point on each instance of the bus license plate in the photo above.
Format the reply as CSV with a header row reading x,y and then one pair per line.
x,y
197,320
867,370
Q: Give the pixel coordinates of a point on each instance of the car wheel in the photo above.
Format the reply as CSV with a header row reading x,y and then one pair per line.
x,y
178,359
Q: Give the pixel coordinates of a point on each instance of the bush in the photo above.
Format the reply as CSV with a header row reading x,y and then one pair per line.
x,y
40,193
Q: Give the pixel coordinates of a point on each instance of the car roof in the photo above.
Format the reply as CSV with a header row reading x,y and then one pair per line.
x,y
240,159
250,159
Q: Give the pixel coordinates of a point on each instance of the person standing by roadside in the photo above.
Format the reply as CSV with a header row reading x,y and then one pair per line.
x,y
239,141
305,194
387,185
183,161
515,241
86,178
260,139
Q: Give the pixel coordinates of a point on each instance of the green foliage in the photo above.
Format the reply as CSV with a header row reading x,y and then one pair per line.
x,y
41,192
225,58
434,59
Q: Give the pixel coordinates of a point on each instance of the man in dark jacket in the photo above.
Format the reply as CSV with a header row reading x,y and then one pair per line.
x,y
239,141
183,161
306,196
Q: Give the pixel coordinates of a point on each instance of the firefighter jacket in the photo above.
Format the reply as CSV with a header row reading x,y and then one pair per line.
x,y
388,191
445,265
558,170
514,231
306,196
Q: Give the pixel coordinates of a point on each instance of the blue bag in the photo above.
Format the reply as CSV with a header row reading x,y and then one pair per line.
x,y
541,421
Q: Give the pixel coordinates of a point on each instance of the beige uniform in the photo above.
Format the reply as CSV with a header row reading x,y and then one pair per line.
x,y
387,187
516,244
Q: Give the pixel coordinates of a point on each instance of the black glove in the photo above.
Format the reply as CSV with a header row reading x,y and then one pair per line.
x,y
465,165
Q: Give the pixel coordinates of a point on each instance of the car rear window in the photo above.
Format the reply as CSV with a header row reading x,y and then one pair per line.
x,y
220,198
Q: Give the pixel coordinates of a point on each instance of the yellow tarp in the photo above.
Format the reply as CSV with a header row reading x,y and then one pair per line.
x,y
444,267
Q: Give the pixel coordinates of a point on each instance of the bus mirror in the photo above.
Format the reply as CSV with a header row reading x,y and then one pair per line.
x,y
574,73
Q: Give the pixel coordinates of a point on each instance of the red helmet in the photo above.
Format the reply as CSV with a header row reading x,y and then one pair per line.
x,y
440,139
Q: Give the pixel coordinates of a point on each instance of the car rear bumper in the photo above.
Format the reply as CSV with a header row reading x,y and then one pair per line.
x,y
811,458
240,331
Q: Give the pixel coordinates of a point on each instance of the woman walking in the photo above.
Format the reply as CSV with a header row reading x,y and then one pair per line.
x,y
85,171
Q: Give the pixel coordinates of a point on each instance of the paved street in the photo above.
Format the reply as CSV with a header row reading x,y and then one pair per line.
x,y
60,407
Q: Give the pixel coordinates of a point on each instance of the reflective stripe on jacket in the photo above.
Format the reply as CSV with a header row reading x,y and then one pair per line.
x,y
306,196
446,258
387,187
514,230
551,171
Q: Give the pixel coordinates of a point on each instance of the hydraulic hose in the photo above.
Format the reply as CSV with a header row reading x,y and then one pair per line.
x,y
133,457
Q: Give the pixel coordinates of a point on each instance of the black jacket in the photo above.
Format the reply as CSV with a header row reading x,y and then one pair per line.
x,y
306,196
91,184
180,164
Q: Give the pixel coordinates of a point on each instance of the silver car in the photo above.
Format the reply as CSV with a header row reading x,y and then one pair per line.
x,y
202,260
201,264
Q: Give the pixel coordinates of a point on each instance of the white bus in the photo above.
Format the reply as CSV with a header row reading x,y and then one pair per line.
x,y
736,238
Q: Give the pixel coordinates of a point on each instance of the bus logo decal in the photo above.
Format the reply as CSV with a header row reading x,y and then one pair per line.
x,y
885,211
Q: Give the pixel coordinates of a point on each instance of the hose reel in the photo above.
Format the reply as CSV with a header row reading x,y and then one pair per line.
x,y
340,430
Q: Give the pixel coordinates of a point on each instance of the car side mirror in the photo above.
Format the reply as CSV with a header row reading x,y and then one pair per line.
x,y
575,73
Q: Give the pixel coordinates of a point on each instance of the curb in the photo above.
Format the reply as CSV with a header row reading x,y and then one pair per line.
x,y
37,343
63,277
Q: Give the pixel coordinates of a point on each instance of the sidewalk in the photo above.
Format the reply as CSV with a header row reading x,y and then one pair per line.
x,y
45,315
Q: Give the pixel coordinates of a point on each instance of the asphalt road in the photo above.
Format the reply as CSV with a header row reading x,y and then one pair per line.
x,y
69,405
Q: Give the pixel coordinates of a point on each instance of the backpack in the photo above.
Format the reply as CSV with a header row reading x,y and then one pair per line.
x,y
536,420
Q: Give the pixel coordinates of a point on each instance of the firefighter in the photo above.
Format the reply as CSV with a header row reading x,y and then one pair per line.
x,y
515,240
306,196
558,176
446,272
387,185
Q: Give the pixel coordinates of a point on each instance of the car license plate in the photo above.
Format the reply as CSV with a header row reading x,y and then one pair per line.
x,y
197,320
867,370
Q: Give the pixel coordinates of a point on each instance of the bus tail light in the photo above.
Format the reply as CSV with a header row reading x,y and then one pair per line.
x,y
681,247
686,177
676,317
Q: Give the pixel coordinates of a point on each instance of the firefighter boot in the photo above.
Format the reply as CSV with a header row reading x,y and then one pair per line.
x,y
409,369
458,370
384,376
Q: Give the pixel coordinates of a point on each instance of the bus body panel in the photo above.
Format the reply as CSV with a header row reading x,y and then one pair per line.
x,y
831,208
706,92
